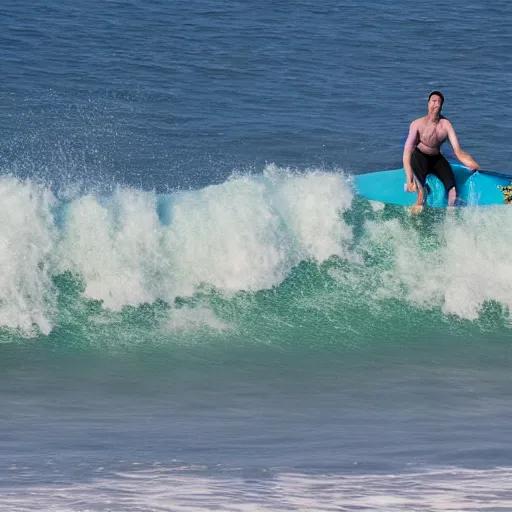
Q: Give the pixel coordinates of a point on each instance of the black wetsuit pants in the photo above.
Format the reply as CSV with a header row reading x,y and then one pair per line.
x,y
423,164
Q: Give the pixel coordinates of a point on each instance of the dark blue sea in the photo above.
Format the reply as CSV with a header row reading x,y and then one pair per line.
x,y
197,311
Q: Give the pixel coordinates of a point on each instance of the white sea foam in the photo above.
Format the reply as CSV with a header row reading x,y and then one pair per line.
x,y
247,233
114,245
463,262
27,297
182,489
244,234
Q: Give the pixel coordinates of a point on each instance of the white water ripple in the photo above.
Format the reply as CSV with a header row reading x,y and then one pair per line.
x,y
181,489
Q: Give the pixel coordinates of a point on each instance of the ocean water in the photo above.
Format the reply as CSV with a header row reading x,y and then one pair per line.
x,y
197,312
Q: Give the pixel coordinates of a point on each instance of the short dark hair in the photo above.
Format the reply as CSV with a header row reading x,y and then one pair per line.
x,y
436,93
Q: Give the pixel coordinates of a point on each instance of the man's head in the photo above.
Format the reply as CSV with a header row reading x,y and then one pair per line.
x,y
435,100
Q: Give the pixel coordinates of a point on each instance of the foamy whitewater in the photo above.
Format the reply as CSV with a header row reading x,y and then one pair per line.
x,y
449,489
133,247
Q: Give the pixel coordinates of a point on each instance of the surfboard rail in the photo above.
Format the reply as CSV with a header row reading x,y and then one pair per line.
x,y
476,188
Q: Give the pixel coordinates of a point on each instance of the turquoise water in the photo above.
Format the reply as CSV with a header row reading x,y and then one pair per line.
x,y
196,310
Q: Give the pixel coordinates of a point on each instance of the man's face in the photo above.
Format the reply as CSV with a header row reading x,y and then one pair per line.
x,y
435,104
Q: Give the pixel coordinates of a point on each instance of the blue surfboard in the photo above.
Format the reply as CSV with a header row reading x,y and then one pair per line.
x,y
473,188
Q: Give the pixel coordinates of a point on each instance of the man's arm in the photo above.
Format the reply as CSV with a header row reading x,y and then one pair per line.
x,y
409,146
464,157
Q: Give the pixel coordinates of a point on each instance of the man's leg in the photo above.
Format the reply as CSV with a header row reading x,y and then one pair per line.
x,y
452,196
444,172
419,164
420,189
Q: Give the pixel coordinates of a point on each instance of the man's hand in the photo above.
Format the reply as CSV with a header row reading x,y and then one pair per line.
x,y
410,186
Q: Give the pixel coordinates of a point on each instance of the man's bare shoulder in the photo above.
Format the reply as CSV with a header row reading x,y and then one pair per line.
x,y
444,122
418,122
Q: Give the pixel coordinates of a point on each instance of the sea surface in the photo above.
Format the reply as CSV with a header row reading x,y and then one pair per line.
x,y
197,312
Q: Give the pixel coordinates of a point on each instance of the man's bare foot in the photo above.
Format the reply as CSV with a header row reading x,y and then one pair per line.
x,y
417,208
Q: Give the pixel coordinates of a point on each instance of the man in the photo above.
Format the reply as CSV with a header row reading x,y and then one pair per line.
x,y
422,154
